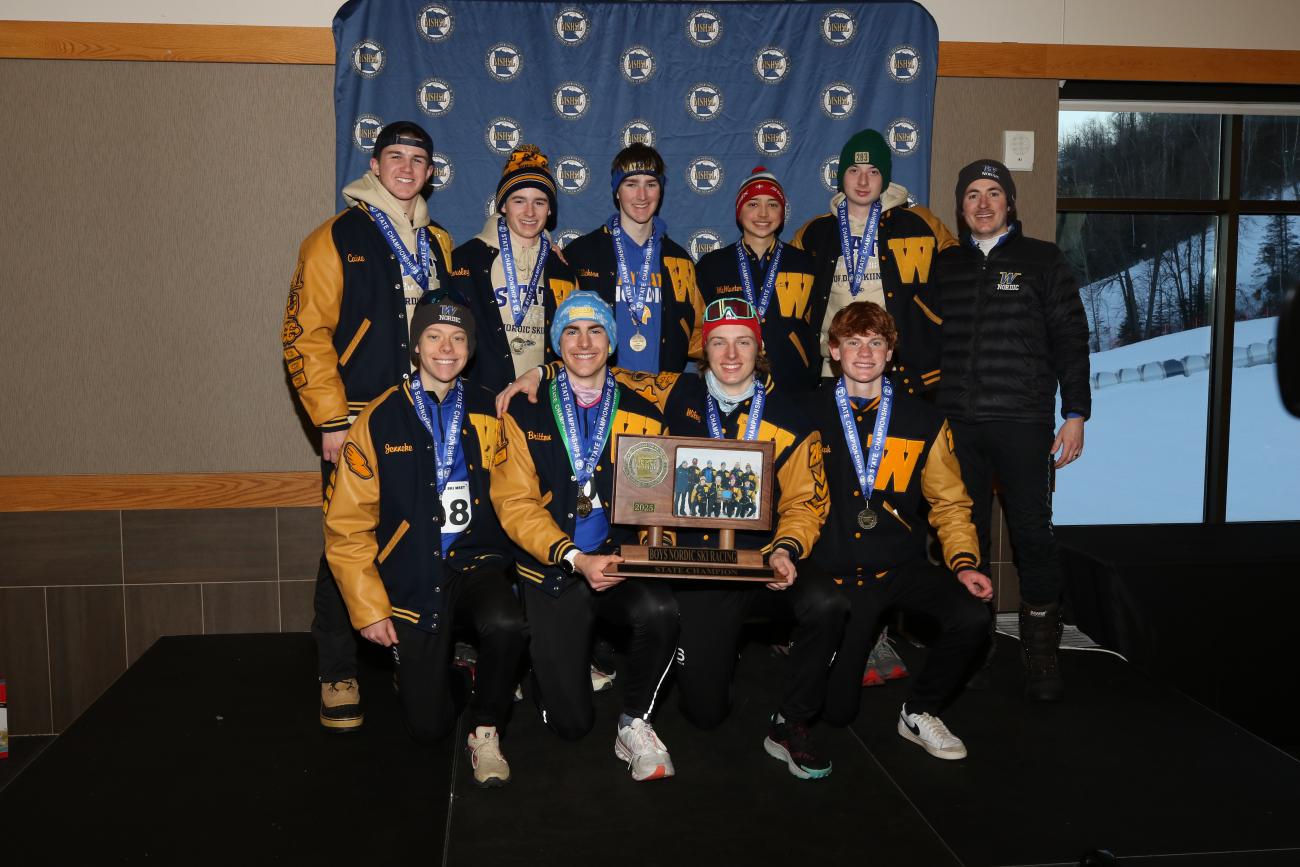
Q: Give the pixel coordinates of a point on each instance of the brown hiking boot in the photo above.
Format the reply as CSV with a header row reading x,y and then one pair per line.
x,y
340,706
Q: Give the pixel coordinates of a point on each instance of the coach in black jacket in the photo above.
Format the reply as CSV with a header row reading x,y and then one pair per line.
x,y
1014,329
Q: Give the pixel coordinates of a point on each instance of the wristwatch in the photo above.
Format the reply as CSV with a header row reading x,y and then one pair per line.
x,y
568,564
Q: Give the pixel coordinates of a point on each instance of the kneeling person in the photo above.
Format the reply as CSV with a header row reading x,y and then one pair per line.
x,y
885,451
414,546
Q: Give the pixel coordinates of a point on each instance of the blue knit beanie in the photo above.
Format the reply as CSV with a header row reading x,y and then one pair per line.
x,y
582,305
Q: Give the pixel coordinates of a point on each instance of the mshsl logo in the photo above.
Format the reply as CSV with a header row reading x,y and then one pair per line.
x,y
704,175
570,100
435,22
703,28
904,64
504,62
830,174
838,100
703,241
903,137
638,64
365,129
571,174
563,238
772,137
368,58
704,101
503,134
638,131
443,171
771,65
572,26
435,97
839,27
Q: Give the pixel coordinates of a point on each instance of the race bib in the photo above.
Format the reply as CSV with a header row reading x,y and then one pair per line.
x,y
456,506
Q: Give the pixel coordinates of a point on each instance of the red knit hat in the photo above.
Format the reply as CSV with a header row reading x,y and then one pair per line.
x,y
731,310
760,182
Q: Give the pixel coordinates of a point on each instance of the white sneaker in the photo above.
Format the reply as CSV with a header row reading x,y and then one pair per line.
x,y
600,680
490,767
646,756
930,732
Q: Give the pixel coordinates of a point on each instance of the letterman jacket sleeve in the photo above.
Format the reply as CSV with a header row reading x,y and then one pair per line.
x,y
517,498
312,314
351,517
805,498
943,239
950,505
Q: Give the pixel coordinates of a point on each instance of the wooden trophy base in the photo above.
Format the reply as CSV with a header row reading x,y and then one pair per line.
x,y
702,564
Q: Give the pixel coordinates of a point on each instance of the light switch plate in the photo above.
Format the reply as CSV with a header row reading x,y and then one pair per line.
x,y
1018,150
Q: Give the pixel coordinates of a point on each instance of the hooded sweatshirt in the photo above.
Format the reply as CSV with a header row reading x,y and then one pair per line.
x,y
367,190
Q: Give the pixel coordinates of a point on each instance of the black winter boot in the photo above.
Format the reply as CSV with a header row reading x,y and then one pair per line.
x,y
1040,637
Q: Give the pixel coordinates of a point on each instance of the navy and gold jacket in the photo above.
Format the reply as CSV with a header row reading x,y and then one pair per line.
x,y
596,269
345,330
382,537
535,491
918,465
790,337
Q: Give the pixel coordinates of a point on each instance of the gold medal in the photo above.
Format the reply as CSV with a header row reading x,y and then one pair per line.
x,y
637,342
584,506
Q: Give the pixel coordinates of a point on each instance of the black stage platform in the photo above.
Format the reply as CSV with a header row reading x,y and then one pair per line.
x,y
207,752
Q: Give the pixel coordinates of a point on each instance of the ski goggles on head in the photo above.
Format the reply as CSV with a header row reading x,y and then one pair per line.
x,y
731,310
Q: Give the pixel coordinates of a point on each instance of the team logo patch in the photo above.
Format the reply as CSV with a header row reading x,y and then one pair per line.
x,y
771,65
903,136
704,27
365,129
504,62
704,175
904,64
503,134
562,239
638,64
838,100
357,462
368,58
839,27
435,22
703,241
830,174
443,172
570,100
572,26
571,174
646,464
435,97
1009,281
772,137
638,131
704,101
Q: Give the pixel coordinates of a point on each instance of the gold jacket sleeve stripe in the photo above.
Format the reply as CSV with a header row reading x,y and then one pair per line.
x,y
950,504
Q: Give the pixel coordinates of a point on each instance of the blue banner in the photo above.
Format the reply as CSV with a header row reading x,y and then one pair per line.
x,y
717,88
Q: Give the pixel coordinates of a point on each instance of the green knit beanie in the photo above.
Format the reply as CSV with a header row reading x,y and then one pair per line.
x,y
867,147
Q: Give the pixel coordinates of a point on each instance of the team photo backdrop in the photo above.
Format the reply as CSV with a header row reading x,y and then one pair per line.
x,y
717,88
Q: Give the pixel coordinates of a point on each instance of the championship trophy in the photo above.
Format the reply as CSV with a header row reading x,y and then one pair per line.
x,y
701,482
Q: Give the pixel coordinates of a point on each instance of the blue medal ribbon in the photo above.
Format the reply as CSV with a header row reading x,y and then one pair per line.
x,y
416,270
856,268
769,279
751,425
636,293
444,452
565,408
866,470
519,304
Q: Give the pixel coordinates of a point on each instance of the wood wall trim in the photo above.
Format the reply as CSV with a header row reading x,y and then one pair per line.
x,y
158,491
220,43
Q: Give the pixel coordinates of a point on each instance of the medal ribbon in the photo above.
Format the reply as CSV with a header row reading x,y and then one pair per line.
x,y
638,293
564,407
866,470
444,452
519,305
769,279
416,270
755,414
857,268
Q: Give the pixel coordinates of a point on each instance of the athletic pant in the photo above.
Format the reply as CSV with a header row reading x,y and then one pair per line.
x,y
336,643
481,599
1017,453
712,615
920,589
561,629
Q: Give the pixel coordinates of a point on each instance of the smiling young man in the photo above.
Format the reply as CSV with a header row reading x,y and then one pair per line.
x,y
775,278
646,277
345,341
1014,330
510,276
551,488
415,548
888,455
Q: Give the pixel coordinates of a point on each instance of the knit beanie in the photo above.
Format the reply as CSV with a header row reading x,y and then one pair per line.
x,y
866,148
528,167
437,307
760,182
403,132
579,306
985,170
731,310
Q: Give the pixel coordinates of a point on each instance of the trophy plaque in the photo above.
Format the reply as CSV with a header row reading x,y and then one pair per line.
x,y
722,485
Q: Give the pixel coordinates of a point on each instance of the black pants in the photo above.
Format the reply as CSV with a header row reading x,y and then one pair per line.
x,y
483,600
336,643
712,615
1017,453
561,629
919,589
